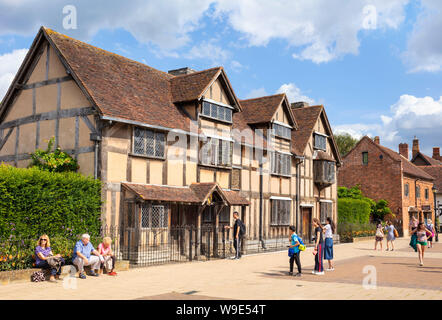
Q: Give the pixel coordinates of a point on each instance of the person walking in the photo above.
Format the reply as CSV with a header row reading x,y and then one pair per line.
x,y
390,235
412,227
329,230
379,235
294,251
421,234
238,234
318,252
430,226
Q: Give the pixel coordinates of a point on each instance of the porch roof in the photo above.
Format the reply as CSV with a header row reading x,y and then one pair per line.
x,y
196,193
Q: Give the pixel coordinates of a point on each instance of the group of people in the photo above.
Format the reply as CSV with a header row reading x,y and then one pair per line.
x,y
422,235
323,237
84,255
392,234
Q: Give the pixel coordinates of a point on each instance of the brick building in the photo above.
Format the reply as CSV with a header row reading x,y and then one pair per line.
x,y
432,166
385,174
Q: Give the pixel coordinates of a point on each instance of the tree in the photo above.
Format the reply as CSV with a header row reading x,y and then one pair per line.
x,y
345,143
53,161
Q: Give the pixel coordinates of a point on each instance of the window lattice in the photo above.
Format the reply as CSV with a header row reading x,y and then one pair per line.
x,y
149,143
280,215
153,216
216,152
320,142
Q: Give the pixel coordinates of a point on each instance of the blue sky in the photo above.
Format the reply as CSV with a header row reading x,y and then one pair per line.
x,y
375,65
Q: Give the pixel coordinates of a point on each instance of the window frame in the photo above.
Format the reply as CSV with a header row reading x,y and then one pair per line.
x,y
217,105
418,192
365,153
407,190
156,133
277,203
275,167
217,159
328,213
283,127
427,194
149,207
315,135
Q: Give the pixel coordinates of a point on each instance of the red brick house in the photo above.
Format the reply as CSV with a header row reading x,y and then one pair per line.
x,y
385,174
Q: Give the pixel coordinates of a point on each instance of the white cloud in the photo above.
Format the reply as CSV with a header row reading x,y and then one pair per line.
x,y
424,48
322,30
166,24
256,93
410,116
9,64
293,93
209,50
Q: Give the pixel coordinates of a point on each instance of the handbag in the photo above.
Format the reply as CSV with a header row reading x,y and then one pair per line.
x,y
379,233
396,234
38,276
301,247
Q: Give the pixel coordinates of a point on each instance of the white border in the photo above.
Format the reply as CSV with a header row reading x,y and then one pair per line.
x,y
280,198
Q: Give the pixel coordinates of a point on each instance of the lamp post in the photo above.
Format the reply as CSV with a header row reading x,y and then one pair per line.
x,y
436,213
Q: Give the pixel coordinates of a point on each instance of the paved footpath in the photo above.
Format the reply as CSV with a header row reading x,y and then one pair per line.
x,y
262,276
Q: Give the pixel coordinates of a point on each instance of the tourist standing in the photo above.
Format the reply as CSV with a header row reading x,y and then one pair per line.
x,y
329,230
238,233
390,235
294,251
318,252
379,235
421,233
430,226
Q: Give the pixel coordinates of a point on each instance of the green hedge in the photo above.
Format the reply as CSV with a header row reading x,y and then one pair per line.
x,y
34,202
353,211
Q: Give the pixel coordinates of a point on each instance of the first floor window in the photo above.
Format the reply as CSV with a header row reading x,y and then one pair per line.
x,y
427,194
326,211
418,192
216,152
149,143
282,131
407,189
281,163
280,215
320,142
154,216
364,157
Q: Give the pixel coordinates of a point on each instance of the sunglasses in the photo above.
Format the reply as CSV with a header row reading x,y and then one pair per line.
x,y
43,240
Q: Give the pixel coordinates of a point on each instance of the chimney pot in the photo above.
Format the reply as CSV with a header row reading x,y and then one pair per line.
x,y
436,154
300,104
415,146
181,71
403,150
377,140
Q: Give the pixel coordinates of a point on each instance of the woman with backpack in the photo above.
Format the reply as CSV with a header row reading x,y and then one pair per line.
x,y
329,230
294,251
318,252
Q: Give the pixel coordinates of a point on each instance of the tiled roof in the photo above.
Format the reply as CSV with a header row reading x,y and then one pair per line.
x,y
436,172
306,118
196,193
261,110
123,88
190,87
429,160
321,155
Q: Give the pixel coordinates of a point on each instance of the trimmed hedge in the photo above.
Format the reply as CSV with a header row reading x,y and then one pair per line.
x,y
353,211
35,202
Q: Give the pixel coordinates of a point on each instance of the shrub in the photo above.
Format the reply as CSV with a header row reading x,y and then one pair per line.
x,y
34,202
353,211
348,231
53,161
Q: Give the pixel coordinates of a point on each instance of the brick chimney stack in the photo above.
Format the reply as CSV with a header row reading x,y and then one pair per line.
x,y
436,154
415,146
377,140
403,150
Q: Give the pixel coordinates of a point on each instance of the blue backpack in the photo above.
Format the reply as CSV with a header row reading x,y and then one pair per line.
x,y
292,250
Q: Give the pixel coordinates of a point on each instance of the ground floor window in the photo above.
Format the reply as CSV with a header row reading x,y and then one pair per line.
x,y
326,211
280,215
154,216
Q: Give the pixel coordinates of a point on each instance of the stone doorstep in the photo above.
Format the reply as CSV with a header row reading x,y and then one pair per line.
x,y
16,276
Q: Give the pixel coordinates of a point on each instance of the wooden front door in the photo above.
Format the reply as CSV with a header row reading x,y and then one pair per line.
x,y
306,224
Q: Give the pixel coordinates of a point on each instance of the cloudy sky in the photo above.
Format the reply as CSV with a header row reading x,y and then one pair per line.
x,y
376,65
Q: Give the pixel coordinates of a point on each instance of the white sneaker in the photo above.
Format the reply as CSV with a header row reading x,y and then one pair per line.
x,y
313,272
320,273
332,269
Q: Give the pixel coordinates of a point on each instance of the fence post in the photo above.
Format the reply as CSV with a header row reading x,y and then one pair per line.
x,y
190,243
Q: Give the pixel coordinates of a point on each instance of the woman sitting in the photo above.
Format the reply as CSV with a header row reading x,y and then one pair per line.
x,y
42,253
108,262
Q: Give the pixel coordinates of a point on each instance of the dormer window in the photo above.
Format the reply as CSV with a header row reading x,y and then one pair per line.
x,y
217,111
320,141
282,131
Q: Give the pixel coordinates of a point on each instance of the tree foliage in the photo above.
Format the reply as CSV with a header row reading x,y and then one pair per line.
x,y
345,143
53,160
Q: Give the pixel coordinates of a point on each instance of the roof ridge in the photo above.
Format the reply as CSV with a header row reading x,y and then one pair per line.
x,y
263,97
51,31
196,72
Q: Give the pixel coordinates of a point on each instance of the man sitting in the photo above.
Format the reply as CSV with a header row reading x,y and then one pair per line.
x,y
82,256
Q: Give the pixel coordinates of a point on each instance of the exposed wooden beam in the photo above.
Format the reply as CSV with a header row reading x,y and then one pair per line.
x,y
5,139
43,83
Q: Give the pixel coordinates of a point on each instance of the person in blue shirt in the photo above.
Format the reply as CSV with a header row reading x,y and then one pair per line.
x,y
86,255
294,243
